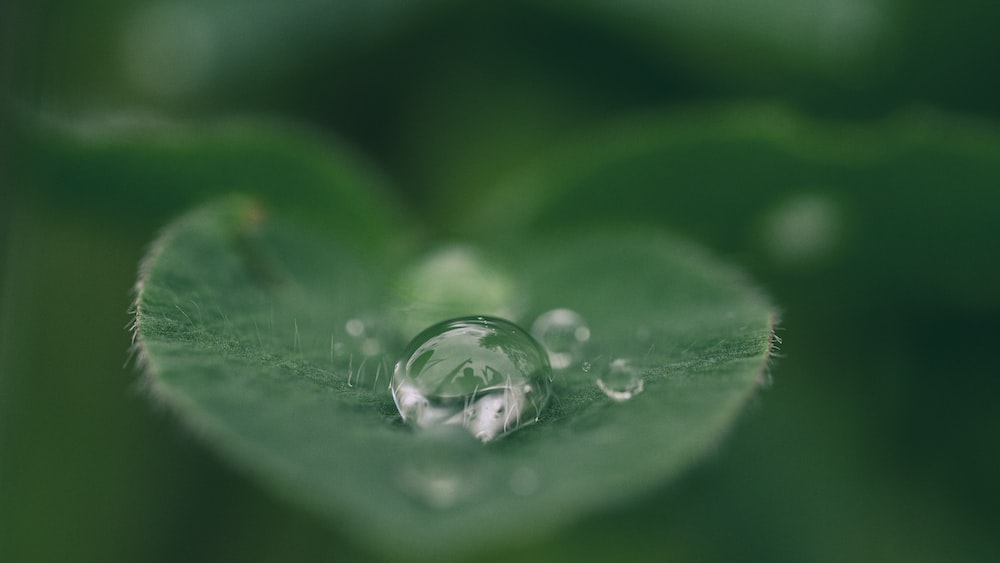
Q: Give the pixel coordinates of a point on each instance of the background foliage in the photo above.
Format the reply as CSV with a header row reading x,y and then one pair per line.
x,y
878,440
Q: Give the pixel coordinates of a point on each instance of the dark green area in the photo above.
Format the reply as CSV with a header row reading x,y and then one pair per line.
x,y
877,440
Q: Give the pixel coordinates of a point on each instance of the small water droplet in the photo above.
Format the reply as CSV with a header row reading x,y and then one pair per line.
x,y
620,380
586,367
482,373
369,335
355,327
562,332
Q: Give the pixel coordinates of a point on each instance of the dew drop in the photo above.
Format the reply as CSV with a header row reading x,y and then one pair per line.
x,y
620,381
562,332
482,373
355,327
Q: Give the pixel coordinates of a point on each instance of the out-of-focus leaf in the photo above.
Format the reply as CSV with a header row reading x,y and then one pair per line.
x,y
141,164
815,37
908,202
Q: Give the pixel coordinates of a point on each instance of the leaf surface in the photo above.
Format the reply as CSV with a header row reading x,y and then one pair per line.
x,y
276,344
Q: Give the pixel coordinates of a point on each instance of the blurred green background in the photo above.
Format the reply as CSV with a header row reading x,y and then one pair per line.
x,y
869,216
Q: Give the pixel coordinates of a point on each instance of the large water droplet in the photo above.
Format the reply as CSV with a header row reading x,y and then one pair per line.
x,y
620,380
563,332
482,373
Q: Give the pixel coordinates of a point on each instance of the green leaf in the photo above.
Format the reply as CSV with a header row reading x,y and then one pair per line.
x,y
243,49
791,196
139,164
815,37
216,53
276,343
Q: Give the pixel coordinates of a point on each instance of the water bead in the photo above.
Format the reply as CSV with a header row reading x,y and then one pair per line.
x,y
562,332
485,374
620,380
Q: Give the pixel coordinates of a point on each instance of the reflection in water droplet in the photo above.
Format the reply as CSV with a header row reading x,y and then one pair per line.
x,y
482,373
562,332
620,380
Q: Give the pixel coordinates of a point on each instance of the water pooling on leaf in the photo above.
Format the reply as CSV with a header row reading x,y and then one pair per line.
x,y
276,345
482,373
